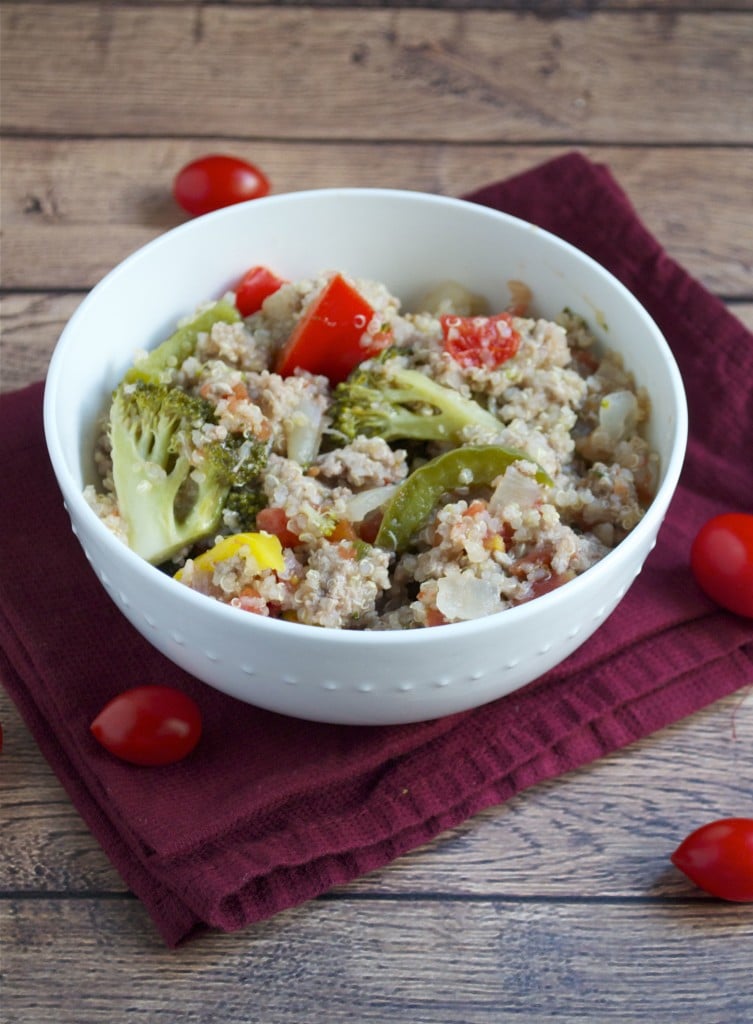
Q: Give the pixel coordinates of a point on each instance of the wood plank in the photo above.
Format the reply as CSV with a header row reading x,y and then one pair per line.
x,y
651,76
552,9
744,313
30,325
616,821
72,209
46,846
474,962
560,905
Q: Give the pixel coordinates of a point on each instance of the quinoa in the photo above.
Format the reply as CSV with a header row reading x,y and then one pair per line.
x,y
364,463
580,480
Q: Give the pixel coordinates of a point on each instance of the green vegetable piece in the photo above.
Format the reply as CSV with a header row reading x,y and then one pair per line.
x,y
180,345
383,399
164,505
413,501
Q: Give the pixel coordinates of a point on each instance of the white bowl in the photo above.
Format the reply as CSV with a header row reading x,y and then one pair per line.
x,y
409,241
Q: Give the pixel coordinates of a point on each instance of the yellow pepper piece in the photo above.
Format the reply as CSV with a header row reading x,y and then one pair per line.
x,y
263,548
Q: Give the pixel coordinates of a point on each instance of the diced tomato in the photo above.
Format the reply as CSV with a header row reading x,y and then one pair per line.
x,y
251,601
343,531
480,340
585,361
520,298
369,527
475,507
434,617
538,558
550,583
274,520
254,287
331,338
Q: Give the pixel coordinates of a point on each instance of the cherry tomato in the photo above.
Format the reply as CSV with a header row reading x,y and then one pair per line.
x,y
718,857
480,340
253,288
214,181
332,337
721,558
274,520
149,725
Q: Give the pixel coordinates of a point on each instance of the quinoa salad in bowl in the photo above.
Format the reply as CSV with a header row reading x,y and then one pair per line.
x,y
310,450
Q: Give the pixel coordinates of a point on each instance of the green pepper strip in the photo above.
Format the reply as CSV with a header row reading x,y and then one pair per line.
x,y
413,501
181,344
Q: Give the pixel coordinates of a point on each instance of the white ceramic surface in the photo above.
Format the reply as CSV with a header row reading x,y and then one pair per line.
x,y
410,241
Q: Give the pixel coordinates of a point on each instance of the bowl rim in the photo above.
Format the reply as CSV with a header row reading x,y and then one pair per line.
x,y
77,506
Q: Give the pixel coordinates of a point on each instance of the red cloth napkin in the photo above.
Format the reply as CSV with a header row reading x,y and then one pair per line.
x,y
270,811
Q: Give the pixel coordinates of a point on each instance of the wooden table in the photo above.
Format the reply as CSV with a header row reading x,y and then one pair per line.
x,y
562,904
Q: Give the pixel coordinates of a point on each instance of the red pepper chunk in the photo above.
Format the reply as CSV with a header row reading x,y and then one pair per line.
x,y
480,340
253,288
331,337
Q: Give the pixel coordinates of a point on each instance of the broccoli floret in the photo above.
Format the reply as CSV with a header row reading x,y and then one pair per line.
x,y
382,398
157,367
165,502
245,499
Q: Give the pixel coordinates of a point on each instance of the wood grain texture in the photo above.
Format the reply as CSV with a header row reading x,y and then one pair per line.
x,y
549,9
102,199
480,962
560,905
375,74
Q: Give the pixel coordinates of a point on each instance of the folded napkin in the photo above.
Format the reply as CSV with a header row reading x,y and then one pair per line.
x,y
270,811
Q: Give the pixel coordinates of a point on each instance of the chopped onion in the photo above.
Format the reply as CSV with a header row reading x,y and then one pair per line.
x,y
453,298
463,596
303,432
359,505
521,297
515,488
618,414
